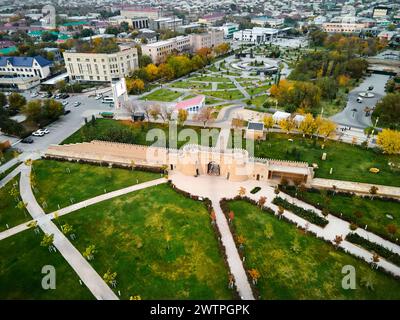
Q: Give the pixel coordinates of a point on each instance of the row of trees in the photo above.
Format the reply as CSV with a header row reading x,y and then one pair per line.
x,y
43,111
310,126
174,67
388,110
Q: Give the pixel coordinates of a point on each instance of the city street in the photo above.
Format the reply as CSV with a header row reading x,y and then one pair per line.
x,y
353,115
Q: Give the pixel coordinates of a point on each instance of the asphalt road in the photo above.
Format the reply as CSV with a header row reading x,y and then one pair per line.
x,y
353,115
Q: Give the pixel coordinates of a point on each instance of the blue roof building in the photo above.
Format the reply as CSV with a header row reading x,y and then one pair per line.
x,y
24,67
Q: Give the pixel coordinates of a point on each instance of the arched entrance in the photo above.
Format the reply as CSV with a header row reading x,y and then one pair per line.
x,y
213,169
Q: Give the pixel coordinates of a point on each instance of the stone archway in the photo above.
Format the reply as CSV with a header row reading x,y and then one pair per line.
x,y
213,169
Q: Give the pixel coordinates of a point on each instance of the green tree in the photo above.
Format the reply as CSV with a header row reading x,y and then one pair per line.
x,y
16,101
33,110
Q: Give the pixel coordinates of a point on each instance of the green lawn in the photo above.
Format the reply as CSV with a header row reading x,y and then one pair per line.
x,y
349,162
210,79
135,132
21,263
7,155
226,85
160,243
9,214
58,182
257,90
226,95
190,85
359,210
9,170
313,271
162,95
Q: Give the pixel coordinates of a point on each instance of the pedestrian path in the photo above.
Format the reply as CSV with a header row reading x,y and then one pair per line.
x,y
82,267
358,187
9,164
10,176
48,217
239,87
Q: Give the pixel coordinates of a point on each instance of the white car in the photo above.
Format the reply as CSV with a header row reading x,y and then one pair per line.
x,y
65,103
76,104
57,96
98,97
34,95
45,131
38,133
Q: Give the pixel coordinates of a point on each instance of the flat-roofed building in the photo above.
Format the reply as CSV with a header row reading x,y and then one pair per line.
x,y
171,23
209,39
160,50
101,66
140,11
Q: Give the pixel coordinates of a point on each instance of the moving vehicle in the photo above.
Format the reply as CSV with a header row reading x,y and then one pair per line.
x,y
38,133
27,140
108,100
77,104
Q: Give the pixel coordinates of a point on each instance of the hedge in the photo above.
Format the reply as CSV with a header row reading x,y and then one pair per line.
x,y
308,215
372,246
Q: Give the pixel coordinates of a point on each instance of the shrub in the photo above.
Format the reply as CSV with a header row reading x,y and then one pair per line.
x,y
308,215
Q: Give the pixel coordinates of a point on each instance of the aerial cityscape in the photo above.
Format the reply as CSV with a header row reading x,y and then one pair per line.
x,y
199,150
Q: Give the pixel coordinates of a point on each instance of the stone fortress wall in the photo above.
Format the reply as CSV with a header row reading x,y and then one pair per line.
x,y
191,160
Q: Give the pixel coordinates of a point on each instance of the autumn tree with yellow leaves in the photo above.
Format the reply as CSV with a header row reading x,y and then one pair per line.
x,y
389,141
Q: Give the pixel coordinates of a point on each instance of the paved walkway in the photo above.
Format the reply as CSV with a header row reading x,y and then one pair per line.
x,y
48,217
239,87
82,267
211,187
357,187
9,164
10,176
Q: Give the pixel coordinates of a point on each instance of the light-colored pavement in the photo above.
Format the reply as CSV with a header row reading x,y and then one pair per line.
x,y
357,187
353,115
10,176
85,271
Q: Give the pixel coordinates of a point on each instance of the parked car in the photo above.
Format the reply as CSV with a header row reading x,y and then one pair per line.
x,y
64,96
34,95
45,130
65,103
57,96
27,140
359,100
66,112
38,133
77,104
98,96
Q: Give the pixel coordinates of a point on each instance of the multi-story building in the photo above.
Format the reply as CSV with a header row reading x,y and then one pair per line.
x,y
166,23
229,29
256,35
343,27
141,12
140,22
22,73
101,66
160,50
209,39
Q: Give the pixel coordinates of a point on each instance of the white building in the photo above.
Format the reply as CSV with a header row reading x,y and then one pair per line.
x,y
160,50
229,29
171,23
25,67
209,39
192,105
101,66
256,35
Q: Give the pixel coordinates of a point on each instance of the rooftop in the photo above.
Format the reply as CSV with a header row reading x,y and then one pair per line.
x,y
258,126
190,102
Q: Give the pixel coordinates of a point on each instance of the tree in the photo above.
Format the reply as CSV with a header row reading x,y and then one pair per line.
x,y
261,202
144,60
388,110
3,100
204,115
33,110
16,101
155,111
268,122
52,109
254,275
146,111
33,225
135,86
287,125
182,116
166,113
231,216
49,36
389,141
338,240
151,72
110,278
47,241
296,247
326,128
391,228
222,48
242,191
89,252
373,190
308,125
281,211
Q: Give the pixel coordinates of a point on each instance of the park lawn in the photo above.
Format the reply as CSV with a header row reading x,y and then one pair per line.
x,y
259,100
9,170
373,212
103,127
210,78
257,90
21,263
314,272
9,214
190,85
349,162
226,95
58,182
7,155
160,243
212,101
226,85
162,95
